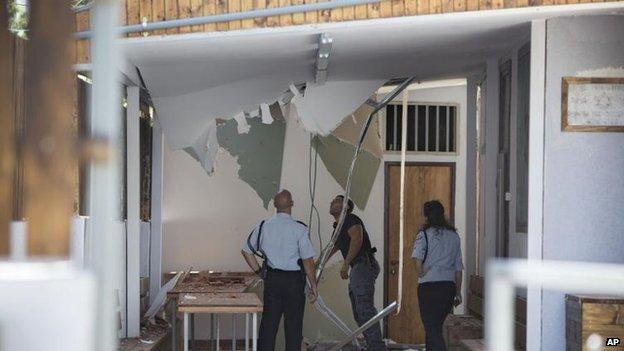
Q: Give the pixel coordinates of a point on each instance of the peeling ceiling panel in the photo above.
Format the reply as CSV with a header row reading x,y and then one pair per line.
x,y
259,154
185,118
349,131
323,107
337,156
194,78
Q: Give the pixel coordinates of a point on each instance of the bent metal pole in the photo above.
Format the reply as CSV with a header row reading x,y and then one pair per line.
x,y
383,103
386,311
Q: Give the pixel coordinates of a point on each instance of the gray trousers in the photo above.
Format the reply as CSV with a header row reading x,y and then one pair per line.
x,y
362,295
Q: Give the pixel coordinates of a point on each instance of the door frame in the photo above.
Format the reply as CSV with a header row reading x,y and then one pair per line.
x,y
387,165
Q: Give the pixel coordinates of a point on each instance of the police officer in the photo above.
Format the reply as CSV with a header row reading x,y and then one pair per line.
x,y
438,258
290,258
355,245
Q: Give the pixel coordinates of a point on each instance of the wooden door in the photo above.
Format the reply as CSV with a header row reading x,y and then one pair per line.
x,y
423,182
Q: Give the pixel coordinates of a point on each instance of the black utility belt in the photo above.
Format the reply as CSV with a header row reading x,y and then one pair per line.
x,y
281,271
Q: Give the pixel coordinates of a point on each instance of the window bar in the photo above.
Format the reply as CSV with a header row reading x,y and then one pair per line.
x,y
448,118
394,113
426,128
416,127
437,130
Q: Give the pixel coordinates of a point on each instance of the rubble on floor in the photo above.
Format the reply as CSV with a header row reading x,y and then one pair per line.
x,y
152,336
391,345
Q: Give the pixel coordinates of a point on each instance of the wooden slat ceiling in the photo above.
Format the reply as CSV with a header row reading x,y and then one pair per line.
x,y
136,11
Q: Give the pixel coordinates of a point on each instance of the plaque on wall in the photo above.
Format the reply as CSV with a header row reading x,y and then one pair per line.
x,y
592,104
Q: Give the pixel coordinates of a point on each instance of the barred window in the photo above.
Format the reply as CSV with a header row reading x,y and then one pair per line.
x,y
430,128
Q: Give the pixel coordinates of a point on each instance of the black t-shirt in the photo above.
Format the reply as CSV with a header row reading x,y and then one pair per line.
x,y
344,240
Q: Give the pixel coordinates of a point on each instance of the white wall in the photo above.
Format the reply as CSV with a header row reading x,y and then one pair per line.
x,y
206,219
583,184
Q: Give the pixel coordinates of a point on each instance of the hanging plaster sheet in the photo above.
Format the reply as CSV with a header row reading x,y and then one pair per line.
x,y
259,154
349,131
185,118
204,149
324,107
337,155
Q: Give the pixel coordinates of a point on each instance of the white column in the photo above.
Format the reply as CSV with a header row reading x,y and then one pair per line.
x,y
104,178
156,222
536,178
133,222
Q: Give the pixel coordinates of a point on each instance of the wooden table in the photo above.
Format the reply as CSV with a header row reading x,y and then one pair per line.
x,y
207,282
224,303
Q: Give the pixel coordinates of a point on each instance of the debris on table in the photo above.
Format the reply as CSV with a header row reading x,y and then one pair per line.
x,y
213,282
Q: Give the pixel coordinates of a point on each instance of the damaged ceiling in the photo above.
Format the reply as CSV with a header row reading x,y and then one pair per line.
x,y
195,78
259,153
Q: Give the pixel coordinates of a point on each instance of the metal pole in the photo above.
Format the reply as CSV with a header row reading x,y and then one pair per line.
x,y
105,127
386,311
186,331
227,17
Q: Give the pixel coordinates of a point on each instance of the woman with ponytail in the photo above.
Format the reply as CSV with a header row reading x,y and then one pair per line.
x,y
438,259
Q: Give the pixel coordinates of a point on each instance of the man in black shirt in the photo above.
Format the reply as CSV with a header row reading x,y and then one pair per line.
x,y
360,267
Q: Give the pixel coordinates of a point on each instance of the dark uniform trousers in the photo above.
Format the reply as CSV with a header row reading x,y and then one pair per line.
x,y
362,295
435,300
284,294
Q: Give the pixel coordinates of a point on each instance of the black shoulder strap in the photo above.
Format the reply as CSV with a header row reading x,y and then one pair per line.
x,y
259,252
303,224
426,245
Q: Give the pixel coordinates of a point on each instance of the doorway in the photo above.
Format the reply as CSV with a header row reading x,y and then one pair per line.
x,y
423,182
503,163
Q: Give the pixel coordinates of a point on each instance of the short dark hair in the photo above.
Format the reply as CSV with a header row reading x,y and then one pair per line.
x,y
350,204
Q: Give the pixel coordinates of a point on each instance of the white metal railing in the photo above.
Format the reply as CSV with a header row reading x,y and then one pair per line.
x,y
503,276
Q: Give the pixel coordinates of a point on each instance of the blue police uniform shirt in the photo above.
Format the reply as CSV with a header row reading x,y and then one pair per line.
x,y
284,241
444,256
